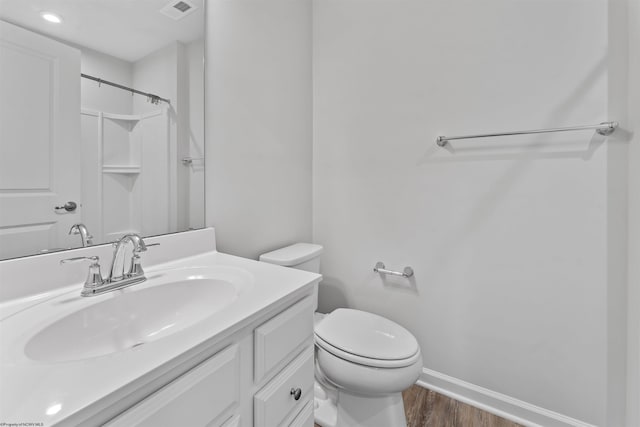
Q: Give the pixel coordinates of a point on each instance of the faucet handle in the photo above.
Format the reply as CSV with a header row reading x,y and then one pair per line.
x,y
94,278
136,268
94,259
143,246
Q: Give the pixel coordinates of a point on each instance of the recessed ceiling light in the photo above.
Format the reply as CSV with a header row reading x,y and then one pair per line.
x,y
51,17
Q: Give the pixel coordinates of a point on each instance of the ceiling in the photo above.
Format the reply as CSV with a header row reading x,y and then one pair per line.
x,y
126,29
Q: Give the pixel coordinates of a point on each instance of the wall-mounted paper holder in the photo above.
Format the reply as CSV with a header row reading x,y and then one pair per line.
x,y
379,268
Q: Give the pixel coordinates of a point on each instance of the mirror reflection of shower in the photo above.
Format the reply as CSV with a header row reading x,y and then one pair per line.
x,y
136,132
117,129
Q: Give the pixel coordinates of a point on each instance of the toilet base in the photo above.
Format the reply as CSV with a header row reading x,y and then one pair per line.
x,y
382,411
343,409
325,412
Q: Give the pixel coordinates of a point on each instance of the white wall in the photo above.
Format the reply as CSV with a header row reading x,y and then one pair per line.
x,y
195,138
258,124
158,73
617,210
104,97
633,328
514,241
510,239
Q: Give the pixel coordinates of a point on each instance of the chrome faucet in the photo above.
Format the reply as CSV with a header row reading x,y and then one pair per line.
x,y
81,229
116,272
118,278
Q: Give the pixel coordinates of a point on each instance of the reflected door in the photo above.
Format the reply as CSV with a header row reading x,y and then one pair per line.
x,y
39,142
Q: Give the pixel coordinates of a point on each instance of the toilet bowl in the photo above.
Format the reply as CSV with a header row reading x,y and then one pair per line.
x,y
363,361
369,360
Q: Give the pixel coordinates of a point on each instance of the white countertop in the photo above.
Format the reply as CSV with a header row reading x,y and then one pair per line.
x,y
48,392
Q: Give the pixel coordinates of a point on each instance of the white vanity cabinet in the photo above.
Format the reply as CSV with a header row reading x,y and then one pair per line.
x,y
263,378
201,397
284,367
280,401
209,339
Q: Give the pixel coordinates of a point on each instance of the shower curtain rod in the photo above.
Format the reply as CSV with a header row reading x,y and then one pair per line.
x,y
154,99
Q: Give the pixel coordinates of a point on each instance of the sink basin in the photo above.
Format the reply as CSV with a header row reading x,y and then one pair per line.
x,y
121,320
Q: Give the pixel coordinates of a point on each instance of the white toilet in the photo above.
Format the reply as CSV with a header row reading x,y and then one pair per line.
x,y
363,361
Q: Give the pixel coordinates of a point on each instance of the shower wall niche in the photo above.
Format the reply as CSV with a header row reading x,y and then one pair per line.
x,y
126,173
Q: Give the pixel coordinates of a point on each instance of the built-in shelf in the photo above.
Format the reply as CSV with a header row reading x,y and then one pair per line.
x,y
121,169
132,117
124,117
116,142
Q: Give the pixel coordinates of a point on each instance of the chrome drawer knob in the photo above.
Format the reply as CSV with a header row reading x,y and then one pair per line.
x,y
296,393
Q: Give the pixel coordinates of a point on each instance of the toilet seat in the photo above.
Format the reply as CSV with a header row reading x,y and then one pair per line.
x,y
367,361
366,339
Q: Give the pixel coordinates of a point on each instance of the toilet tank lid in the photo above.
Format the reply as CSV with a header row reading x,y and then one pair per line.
x,y
292,255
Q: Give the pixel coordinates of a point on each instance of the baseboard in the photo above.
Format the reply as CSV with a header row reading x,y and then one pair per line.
x,y
496,403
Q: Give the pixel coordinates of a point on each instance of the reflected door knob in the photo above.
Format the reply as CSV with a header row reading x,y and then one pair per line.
x,y
296,393
68,207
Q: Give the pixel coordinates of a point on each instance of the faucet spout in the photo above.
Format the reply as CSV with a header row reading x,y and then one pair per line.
x,y
117,270
81,229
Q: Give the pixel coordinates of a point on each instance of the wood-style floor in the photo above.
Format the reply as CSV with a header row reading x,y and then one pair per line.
x,y
426,408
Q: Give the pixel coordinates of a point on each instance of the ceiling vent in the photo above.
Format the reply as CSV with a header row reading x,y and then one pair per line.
x,y
178,9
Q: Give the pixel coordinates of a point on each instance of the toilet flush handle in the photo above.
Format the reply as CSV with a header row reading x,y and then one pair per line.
x,y
296,393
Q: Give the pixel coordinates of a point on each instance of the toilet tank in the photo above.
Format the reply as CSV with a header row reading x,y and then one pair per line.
x,y
303,256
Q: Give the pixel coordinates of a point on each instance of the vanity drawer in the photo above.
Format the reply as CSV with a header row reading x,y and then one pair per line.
x,y
198,398
232,422
305,417
277,339
275,404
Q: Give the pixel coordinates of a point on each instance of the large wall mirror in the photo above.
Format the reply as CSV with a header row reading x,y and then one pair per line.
x,y
101,121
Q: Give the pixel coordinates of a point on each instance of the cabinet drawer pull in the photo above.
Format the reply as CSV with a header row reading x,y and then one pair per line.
x,y
296,393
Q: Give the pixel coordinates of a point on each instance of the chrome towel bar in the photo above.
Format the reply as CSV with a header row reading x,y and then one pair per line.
x,y
379,268
604,128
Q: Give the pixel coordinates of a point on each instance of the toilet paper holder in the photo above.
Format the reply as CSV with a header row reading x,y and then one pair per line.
x,y
380,268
